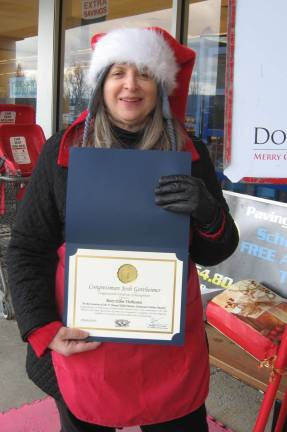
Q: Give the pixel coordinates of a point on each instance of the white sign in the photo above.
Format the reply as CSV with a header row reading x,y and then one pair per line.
x,y
7,117
257,140
23,87
19,150
92,9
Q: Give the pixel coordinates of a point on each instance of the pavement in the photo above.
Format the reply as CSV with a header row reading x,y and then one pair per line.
x,y
230,401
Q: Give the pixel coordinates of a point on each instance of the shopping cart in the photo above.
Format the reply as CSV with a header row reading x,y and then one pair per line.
x,y
10,190
17,114
20,146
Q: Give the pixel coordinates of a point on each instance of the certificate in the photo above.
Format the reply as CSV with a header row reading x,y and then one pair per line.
x,y
126,258
125,294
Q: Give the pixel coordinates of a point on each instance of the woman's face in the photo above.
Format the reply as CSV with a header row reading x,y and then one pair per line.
x,y
129,96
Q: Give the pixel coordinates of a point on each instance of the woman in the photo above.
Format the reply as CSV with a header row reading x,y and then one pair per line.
x,y
140,81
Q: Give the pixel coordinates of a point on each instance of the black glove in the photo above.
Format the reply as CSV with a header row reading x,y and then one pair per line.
x,y
189,195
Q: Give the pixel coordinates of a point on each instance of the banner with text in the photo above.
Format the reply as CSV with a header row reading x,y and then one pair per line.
x,y
262,251
256,91
92,10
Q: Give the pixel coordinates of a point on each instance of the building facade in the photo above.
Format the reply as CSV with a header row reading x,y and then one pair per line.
x,y
45,52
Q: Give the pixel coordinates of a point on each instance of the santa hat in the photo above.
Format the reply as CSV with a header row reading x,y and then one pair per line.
x,y
169,62
139,46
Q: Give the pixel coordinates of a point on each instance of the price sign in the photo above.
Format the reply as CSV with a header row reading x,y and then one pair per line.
x,y
213,278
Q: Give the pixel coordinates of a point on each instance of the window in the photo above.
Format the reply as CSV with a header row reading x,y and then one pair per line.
x,y
205,112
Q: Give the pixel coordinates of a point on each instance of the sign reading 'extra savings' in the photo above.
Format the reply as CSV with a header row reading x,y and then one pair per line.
x,y
93,9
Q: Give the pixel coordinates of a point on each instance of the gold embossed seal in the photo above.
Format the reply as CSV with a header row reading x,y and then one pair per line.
x,y
127,273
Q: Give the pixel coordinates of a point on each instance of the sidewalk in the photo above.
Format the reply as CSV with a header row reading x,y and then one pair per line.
x,y
230,401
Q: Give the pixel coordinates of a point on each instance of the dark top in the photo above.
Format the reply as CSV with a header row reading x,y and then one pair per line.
x,y
127,139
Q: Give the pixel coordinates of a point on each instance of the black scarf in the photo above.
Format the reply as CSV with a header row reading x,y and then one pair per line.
x,y
127,139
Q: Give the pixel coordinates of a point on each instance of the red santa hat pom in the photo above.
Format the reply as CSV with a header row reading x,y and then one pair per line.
x,y
145,48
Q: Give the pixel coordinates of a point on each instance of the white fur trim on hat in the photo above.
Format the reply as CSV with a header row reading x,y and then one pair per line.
x,y
138,46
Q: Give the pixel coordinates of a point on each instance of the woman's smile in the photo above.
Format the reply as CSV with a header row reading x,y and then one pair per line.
x,y
131,101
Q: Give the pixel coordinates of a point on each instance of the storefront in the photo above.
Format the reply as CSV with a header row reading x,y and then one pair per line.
x,y
45,52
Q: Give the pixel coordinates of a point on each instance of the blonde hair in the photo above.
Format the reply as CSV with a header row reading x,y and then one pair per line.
x,y
154,137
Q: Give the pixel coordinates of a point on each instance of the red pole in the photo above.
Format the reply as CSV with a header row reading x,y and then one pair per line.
x,y
270,394
282,415
267,404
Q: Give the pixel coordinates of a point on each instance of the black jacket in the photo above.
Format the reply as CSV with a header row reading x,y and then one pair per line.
x,y
39,231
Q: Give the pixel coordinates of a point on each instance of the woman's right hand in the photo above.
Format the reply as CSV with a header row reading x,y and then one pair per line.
x,y
70,341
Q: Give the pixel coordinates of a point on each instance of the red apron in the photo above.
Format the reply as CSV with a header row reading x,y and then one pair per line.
x,y
122,384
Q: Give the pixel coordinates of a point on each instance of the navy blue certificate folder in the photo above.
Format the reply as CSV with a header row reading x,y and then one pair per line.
x,y
111,206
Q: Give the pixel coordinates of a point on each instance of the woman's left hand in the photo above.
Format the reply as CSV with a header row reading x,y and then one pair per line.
x,y
186,194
